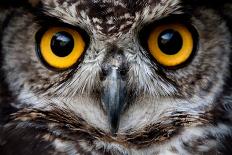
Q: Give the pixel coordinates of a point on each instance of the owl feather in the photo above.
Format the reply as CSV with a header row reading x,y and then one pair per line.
x,y
118,98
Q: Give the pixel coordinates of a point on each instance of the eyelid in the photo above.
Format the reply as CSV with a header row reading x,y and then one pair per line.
x,y
181,18
170,60
48,60
148,29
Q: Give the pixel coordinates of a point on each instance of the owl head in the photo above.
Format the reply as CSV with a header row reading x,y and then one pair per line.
x,y
122,75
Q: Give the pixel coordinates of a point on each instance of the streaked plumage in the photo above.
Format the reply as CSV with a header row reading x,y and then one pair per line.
x,y
185,110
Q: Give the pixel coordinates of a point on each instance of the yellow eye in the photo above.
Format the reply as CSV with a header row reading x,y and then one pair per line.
x,y
61,47
171,44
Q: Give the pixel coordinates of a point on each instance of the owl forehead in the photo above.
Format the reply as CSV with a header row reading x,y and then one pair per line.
x,y
108,17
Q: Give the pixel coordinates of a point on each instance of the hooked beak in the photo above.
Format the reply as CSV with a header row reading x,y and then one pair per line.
x,y
114,97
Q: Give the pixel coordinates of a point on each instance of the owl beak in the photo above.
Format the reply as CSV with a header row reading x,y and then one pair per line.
x,y
114,97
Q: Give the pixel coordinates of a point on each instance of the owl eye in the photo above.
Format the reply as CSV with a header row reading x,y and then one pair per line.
x,y
60,47
171,44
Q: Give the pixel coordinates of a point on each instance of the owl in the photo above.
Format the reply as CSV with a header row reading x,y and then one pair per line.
x,y
122,77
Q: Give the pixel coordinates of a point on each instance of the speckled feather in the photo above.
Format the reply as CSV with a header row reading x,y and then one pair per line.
x,y
184,111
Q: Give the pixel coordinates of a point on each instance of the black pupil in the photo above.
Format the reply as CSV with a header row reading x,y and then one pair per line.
x,y
62,44
170,42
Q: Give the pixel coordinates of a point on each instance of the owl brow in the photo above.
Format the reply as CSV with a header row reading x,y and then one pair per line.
x,y
45,19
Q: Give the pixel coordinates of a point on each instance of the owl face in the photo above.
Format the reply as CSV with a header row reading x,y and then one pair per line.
x,y
138,72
